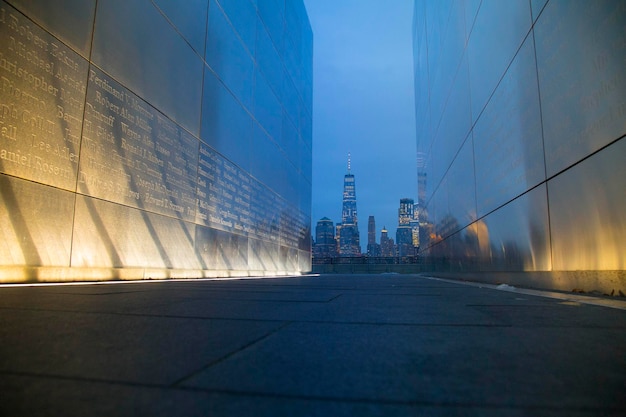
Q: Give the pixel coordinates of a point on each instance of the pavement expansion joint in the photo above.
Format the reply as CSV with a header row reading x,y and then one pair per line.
x,y
253,342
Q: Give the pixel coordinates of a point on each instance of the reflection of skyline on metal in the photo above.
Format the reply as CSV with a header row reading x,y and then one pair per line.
x,y
421,161
522,154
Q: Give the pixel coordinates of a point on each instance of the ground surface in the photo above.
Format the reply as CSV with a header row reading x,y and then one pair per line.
x,y
335,345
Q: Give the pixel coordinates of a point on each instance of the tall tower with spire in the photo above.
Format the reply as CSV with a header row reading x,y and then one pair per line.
x,y
349,242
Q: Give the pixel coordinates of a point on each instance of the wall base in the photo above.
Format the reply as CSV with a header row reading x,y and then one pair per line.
x,y
30,275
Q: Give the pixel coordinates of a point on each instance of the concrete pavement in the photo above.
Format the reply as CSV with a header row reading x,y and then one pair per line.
x,y
332,345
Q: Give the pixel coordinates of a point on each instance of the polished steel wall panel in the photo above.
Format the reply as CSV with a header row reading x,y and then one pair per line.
x,y
268,61
226,125
290,99
224,193
71,21
305,262
448,49
587,213
264,167
267,109
305,199
438,14
439,211
259,258
134,155
42,91
290,141
190,21
581,76
35,224
420,63
306,163
164,70
471,11
454,126
227,56
242,15
306,126
498,32
272,13
536,6
307,72
461,186
546,86
142,161
516,237
221,250
507,137
113,236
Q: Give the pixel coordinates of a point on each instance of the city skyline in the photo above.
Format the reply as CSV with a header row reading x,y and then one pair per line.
x,y
349,214
363,104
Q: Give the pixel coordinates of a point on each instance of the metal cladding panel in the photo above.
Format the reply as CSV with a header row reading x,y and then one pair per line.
x,y
517,235
508,144
498,32
580,61
134,155
189,21
545,169
133,142
135,44
70,21
43,84
587,213
35,224
111,235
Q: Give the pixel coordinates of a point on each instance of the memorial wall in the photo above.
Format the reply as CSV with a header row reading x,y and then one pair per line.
x,y
521,124
154,139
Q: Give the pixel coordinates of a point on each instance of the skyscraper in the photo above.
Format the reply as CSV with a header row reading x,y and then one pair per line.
x,y
325,244
373,248
404,232
387,247
349,242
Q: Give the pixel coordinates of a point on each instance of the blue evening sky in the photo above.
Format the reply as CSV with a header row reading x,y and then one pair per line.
x,y
363,104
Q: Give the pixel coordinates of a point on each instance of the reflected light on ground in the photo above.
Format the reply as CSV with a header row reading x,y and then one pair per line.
x,y
148,281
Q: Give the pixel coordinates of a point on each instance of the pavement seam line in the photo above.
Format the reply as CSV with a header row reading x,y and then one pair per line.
x,y
320,398
227,356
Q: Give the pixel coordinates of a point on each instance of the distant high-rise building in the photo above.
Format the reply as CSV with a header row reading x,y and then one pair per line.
x,y
325,244
349,242
387,247
405,212
404,233
373,248
371,230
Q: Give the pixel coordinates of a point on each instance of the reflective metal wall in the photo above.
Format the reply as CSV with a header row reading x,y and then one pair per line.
x,y
151,138
521,120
